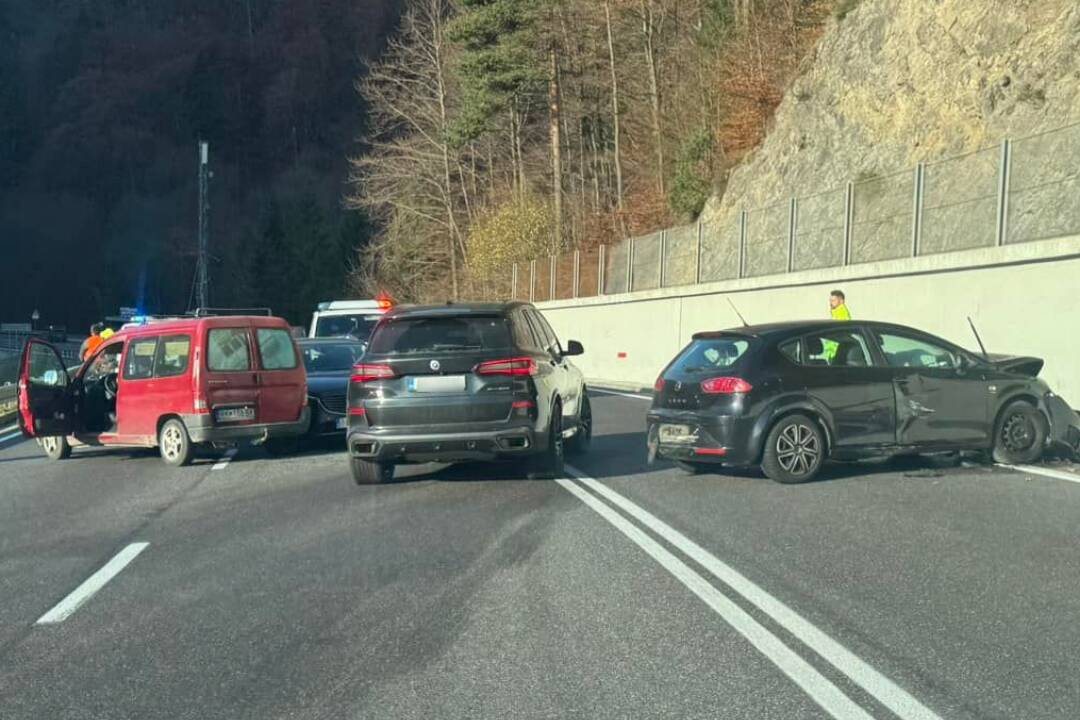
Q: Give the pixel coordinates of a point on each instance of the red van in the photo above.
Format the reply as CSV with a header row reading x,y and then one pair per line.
x,y
170,384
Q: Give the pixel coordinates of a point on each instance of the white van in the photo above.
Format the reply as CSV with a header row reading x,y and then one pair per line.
x,y
347,318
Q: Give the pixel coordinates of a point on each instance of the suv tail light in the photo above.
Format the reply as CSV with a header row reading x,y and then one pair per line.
x,y
510,366
658,386
362,373
725,386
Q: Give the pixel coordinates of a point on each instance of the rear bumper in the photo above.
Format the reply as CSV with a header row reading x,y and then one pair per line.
x,y
444,446
201,429
716,439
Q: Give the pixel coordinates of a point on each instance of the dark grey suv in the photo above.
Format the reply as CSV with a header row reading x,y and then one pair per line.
x,y
465,382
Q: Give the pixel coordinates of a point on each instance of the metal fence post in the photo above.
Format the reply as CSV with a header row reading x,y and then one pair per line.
x,y
697,255
577,272
917,208
849,220
551,278
532,280
663,259
630,266
742,243
513,282
793,214
600,270
1004,172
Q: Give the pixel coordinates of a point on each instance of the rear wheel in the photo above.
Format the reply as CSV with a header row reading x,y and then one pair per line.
x,y
369,472
1019,434
549,463
174,444
582,439
794,450
56,447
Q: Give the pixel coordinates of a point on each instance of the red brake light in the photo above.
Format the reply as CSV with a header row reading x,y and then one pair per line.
x,y
658,386
510,366
725,386
362,373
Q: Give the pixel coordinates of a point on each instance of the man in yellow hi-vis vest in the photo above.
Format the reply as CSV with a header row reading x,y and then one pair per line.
x,y
838,306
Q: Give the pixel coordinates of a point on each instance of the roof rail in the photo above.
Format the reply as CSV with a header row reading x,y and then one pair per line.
x,y
210,312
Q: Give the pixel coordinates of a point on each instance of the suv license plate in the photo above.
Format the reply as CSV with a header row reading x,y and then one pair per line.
x,y
437,384
234,414
678,434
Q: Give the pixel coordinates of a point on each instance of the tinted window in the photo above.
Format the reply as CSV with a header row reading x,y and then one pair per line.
x,y
542,339
549,334
441,334
357,326
792,350
275,349
139,364
904,351
172,356
331,357
524,335
46,367
837,348
706,355
228,350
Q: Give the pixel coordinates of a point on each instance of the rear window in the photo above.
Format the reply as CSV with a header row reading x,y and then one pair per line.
x,y
228,350
706,355
410,336
275,349
357,326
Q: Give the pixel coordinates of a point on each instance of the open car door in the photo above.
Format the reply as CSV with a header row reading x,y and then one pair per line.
x,y
45,401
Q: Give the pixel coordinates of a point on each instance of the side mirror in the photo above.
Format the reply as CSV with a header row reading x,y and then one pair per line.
x,y
573,347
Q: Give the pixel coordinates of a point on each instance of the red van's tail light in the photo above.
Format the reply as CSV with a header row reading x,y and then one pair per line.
x,y
200,405
362,373
725,386
510,366
658,386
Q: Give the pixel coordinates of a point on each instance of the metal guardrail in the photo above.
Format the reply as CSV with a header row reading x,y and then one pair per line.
x,y
1019,191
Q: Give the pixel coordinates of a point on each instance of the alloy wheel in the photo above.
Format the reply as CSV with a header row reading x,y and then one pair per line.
x,y
171,443
797,449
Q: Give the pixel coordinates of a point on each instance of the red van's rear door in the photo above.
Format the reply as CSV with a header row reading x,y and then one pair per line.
x,y
231,374
282,378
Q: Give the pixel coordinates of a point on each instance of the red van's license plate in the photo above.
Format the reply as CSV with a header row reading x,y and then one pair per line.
x,y
234,414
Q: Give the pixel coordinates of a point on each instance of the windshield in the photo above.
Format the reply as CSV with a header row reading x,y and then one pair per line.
x,y
331,357
441,334
706,355
357,326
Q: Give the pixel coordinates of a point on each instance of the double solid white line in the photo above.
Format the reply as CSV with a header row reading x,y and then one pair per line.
x,y
820,689
11,435
63,609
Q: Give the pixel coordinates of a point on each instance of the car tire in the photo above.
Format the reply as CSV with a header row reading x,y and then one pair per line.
x,y
56,447
174,443
581,440
1019,434
794,450
369,472
548,464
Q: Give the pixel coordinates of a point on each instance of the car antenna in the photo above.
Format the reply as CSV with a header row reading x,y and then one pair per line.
x,y
741,318
978,339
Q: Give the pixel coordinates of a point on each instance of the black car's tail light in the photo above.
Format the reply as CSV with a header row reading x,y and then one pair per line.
x,y
725,386
658,386
509,366
362,373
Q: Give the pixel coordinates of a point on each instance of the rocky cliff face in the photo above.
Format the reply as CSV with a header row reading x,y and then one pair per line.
x,y
899,82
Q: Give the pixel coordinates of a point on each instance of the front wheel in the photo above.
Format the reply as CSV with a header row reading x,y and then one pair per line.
x,y
174,444
1019,434
368,472
56,447
794,450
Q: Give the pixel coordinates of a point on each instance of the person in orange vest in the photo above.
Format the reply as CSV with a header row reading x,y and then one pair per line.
x,y
93,342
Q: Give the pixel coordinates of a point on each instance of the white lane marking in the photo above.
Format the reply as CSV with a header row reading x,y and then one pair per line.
x,y
224,461
820,689
62,610
1058,474
10,437
888,693
636,396
9,428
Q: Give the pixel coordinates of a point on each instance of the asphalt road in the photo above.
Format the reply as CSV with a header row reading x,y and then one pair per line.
x,y
275,588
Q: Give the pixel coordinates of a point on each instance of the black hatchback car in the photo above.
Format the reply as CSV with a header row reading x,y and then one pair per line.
x,y
788,396
465,382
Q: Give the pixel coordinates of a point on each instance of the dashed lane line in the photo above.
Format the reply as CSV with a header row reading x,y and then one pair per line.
x,y
64,609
